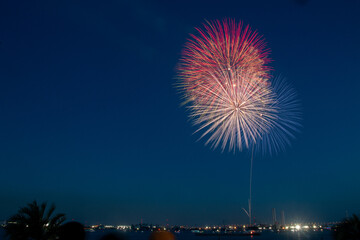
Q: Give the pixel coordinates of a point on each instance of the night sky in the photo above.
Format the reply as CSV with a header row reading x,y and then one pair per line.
x,y
90,119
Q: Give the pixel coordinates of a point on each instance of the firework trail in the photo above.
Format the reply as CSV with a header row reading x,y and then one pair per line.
x,y
225,84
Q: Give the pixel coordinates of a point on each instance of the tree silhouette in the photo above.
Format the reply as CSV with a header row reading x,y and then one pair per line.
x,y
33,222
349,229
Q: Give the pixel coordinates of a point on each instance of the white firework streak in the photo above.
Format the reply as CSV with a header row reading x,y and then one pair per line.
x,y
286,122
233,107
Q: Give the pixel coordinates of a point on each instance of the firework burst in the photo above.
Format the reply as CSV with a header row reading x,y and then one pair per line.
x,y
224,79
225,82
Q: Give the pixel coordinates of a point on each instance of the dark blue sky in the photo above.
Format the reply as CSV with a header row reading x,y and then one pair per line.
x,y
90,119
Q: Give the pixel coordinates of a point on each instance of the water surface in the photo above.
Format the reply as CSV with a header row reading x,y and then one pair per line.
x,y
302,235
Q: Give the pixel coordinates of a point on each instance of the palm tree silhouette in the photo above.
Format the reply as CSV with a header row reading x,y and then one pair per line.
x,y
349,229
33,222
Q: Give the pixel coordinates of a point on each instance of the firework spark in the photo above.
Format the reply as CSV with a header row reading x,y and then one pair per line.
x,y
224,81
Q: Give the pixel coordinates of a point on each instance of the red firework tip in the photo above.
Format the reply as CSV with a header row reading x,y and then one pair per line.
x,y
225,45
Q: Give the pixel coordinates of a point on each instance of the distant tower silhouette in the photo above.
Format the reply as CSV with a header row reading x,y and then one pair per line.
x,y
274,216
282,218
